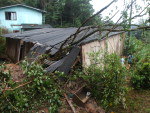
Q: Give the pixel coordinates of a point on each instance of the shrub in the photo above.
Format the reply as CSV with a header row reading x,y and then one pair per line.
x,y
2,40
39,91
2,45
3,31
4,76
141,78
133,46
141,68
108,81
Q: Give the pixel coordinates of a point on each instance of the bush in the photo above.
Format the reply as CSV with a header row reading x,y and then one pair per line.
x,y
141,68
2,40
39,91
141,78
3,31
4,76
2,45
133,46
107,81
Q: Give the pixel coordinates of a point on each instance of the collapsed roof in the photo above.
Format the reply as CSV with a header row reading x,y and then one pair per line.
x,y
53,38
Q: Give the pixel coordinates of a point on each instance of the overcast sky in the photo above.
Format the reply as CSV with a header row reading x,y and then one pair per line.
x,y
99,4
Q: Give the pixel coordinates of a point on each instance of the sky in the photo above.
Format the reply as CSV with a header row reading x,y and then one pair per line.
x,y
119,5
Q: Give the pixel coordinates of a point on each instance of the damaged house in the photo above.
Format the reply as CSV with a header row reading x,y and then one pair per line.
x,y
54,40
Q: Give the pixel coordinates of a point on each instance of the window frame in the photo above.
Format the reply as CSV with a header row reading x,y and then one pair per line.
x,y
11,16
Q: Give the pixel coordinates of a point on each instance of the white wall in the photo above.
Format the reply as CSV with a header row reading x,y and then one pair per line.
x,y
113,44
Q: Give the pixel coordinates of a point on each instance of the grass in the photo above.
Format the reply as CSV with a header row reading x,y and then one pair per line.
x,y
138,101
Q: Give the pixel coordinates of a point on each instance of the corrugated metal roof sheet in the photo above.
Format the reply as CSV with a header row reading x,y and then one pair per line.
x,y
35,26
54,37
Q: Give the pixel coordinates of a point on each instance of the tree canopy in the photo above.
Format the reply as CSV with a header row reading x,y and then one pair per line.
x,y
60,13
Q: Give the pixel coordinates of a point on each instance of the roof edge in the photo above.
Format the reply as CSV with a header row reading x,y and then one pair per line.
x,y
105,38
43,11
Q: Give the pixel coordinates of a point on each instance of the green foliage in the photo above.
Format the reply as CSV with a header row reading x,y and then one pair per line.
x,y
2,45
133,46
4,76
2,41
67,13
76,11
60,13
141,68
146,36
107,81
8,2
142,34
141,78
39,91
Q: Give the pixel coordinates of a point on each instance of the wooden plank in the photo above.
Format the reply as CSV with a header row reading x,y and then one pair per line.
x,y
69,60
13,49
48,62
35,52
65,64
70,104
54,66
27,47
17,50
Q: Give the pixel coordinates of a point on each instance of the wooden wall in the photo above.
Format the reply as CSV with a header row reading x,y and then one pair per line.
x,y
113,44
17,49
25,48
13,49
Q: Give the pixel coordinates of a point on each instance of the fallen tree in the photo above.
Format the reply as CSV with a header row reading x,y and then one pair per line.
x,y
42,85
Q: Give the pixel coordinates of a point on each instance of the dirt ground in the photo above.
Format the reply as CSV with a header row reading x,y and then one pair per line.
x,y
15,71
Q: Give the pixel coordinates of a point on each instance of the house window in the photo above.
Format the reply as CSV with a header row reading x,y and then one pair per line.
x,y
10,15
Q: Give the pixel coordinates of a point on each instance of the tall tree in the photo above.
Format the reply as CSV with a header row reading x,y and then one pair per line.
x,y
76,11
9,2
60,13
67,13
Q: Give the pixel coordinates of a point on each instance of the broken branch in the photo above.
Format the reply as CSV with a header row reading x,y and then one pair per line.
x,y
10,89
70,104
